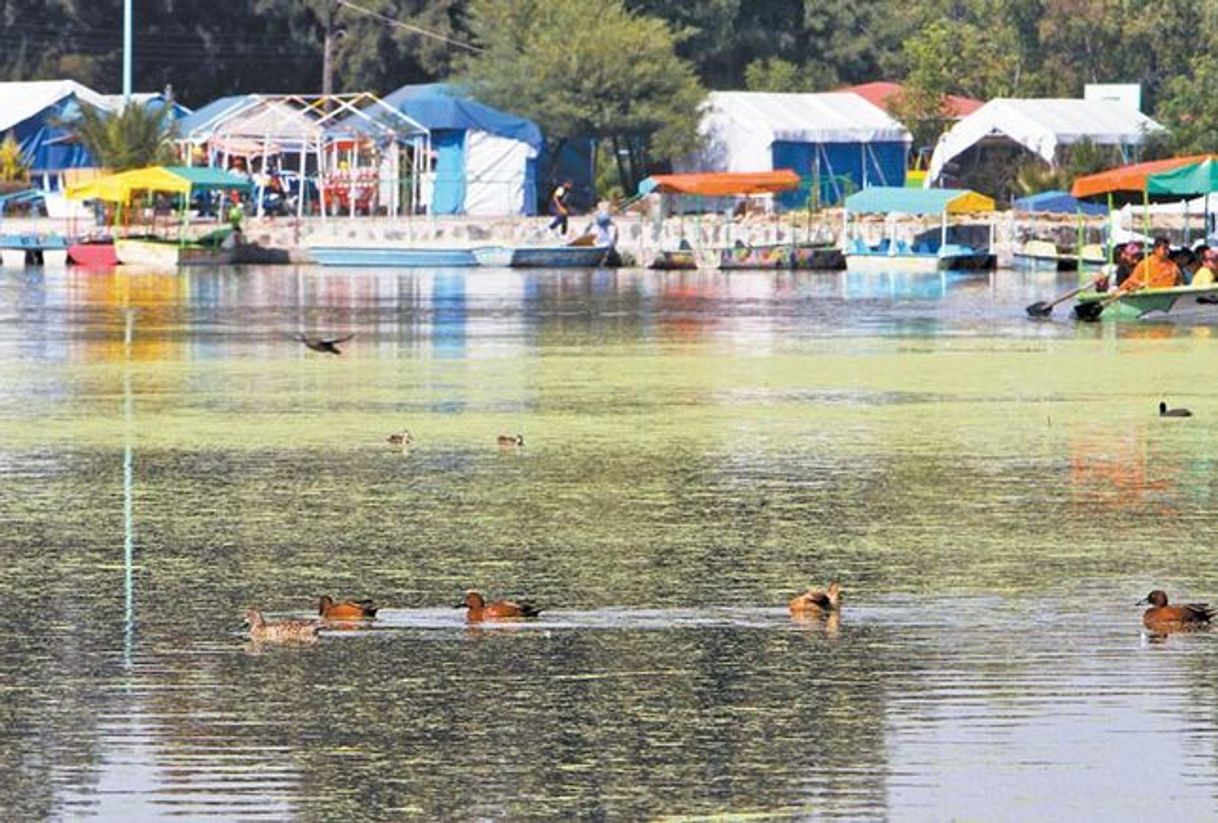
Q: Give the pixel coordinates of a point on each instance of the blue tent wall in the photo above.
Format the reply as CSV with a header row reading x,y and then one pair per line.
x,y
449,194
844,168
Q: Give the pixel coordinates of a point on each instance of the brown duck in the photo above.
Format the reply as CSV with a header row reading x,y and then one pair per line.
x,y
479,609
347,610
507,440
1161,617
817,603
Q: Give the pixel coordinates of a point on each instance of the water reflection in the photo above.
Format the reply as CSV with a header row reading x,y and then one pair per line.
x,y
994,493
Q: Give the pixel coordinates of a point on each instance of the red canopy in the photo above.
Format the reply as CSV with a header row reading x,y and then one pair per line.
x,y
721,184
1129,178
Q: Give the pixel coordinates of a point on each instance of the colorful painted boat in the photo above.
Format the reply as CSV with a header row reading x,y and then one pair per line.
x,y
783,256
393,256
157,253
18,250
1179,303
542,257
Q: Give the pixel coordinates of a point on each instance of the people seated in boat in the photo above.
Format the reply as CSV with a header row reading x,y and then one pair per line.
x,y
1126,260
1156,271
1188,262
1204,276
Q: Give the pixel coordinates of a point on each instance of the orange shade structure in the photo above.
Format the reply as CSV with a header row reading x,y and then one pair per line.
x,y
1129,178
721,184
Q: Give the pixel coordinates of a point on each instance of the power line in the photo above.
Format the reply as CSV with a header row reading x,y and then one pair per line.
x,y
408,27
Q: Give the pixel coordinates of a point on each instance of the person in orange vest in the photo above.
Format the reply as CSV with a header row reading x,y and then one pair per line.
x,y
1156,271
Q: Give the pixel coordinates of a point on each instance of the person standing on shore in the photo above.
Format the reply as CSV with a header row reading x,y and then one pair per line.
x,y
559,208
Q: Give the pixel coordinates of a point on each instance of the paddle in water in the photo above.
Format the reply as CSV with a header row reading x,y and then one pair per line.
x,y
1042,309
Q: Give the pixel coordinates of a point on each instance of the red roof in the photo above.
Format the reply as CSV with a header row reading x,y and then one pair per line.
x,y
879,92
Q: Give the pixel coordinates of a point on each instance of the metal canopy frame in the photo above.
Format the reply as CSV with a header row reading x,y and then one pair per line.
x,y
337,131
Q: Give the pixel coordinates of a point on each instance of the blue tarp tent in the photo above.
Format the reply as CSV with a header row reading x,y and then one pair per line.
x,y
35,113
837,142
1058,202
484,160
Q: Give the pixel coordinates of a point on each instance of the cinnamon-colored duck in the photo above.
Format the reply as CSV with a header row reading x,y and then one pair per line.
x,y
347,610
817,603
1161,617
479,609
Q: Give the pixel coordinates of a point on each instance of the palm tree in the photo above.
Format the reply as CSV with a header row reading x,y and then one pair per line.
x,y
137,136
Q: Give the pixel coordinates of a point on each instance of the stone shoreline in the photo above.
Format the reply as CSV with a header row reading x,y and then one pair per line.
x,y
639,235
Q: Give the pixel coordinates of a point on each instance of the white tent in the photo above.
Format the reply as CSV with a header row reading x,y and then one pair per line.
x,y
839,138
19,101
1043,126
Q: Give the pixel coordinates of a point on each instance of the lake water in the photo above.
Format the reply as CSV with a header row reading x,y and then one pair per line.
x,y
994,494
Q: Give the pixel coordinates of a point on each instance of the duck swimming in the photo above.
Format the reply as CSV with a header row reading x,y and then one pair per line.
x,y
479,609
1164,411
347,610
508,440
400,439
817,603
280,631
1161,617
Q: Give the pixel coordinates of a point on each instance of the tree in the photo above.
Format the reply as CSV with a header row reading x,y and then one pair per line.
x,y
587,68
1187,108
777,75
135,137
12,166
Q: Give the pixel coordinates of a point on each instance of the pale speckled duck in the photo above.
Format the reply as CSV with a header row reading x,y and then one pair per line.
x,y
1161,617
817,603
280,631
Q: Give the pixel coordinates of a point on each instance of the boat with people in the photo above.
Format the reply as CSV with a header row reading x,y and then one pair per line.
x,y
542,257
949,247
680,259
392,256
1188,304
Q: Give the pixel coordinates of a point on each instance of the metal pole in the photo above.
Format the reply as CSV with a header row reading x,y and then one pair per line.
x,y
126,51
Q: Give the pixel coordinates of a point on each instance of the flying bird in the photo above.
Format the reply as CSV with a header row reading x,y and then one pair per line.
x,y
325,345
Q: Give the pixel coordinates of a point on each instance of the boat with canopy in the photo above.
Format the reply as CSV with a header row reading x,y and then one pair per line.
x,y
1178,178
741,255
962,246
179,184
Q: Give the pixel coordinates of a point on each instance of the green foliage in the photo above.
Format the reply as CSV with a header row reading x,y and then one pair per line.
x,y
587,68
135,137
1187,107
12,167
776,75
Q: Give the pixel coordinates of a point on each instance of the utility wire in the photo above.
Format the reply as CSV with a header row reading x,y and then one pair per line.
x,y
408,27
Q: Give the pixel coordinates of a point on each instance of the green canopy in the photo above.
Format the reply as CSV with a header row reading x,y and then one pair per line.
x,y
1185,181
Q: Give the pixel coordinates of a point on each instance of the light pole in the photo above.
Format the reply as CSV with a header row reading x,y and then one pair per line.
x,y
126,52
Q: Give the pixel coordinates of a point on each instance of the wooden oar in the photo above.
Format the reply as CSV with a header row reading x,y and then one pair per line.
x,y
1042,309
